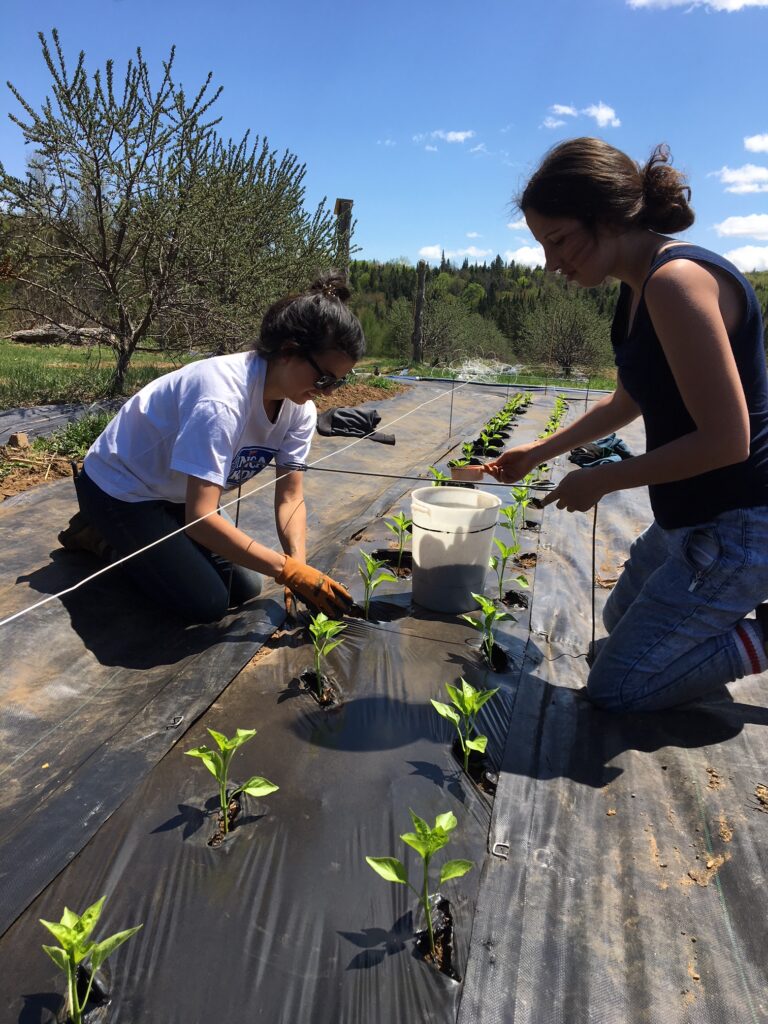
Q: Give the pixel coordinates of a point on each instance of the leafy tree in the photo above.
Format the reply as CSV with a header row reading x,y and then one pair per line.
x,y
450,330
135,217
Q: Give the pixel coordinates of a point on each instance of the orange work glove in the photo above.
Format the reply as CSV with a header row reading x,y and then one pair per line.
x,y
290,606
315,588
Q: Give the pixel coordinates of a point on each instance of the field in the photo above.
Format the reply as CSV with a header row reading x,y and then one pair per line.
x,y
42,374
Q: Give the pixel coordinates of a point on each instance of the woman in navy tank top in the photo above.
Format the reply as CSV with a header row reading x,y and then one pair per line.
x,y
689,348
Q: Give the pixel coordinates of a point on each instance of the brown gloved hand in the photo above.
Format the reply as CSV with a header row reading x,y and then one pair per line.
x,y
315,587
291,610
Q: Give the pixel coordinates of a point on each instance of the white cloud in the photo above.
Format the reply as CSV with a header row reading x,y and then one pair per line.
x,y
715,5
505,129
444,136
474,234
518,225
749,178
453,136
755,225
385,142
528,255
479,148
756,143
749,257
472,253
562,110
551,122
431,149
603,114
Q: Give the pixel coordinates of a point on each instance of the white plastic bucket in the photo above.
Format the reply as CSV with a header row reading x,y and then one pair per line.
x,y
452,541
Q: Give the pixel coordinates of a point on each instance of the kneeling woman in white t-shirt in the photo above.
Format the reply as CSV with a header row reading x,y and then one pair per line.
x,y
166,457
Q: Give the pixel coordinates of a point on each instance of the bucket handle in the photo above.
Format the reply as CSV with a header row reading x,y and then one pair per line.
x,y
455,533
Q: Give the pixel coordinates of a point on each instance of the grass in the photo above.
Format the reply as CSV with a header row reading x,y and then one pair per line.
x,y
43,374
74,440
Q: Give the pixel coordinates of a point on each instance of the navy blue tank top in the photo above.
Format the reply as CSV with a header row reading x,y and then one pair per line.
x,y
645,373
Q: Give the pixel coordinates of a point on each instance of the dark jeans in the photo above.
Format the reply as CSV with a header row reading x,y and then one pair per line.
x,y
178,574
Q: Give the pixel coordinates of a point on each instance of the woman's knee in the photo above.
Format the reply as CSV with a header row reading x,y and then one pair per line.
x,y
604,689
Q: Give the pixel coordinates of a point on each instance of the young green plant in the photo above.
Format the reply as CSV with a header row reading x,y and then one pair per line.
x,y
217,763
490,616
368,569
438,477
466,701
324,633
499,563
426,842
73,933
400,525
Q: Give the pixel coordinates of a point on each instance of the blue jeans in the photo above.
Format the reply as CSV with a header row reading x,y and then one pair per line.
x,y
672,615
179,574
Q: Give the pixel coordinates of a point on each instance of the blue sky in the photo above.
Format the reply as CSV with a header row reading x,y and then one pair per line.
x,y
431,115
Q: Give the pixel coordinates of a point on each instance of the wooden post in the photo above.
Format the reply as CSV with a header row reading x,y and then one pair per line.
x,y
343,211
418,313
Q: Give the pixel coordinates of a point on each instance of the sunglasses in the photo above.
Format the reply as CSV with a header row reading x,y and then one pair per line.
x,y
326,381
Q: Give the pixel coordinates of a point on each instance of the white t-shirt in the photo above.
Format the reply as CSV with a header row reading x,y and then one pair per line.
x,y
205,420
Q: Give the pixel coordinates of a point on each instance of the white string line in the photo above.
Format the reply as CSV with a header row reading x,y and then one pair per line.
x,y
269,483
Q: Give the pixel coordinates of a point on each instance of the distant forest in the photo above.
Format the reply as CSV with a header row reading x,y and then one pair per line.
x,y
496,303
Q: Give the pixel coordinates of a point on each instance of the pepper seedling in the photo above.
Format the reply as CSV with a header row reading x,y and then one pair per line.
x,y
400,525
466,701
217,764
499,563
73,932
426,842
324,631
488,442
368,569
438,477
491,615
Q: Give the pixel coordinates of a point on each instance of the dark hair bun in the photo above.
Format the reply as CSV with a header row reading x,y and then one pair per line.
x,y
666,194
332,284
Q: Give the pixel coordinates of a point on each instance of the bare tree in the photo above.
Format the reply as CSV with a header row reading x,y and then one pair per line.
x,y
565,331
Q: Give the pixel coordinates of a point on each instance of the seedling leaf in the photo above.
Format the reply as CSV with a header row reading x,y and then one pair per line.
x,y
60,932
420,845
390,868
58,956
455,869
447,822
221,740
479,743
89,917
258,786
446,711
104,949
210,759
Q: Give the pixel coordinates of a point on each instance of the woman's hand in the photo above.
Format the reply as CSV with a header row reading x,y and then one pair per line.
x,y
515,463
579,490
315,587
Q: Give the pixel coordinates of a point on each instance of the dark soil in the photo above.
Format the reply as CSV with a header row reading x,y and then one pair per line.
x,y
527,560
389,556
329,696
480,769
532,525
96,1010
499,659
515,599
219,836
442,926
